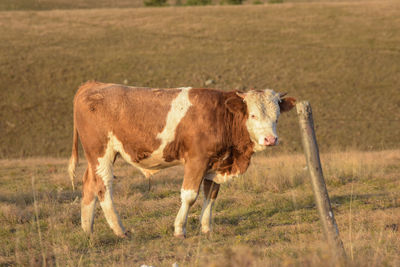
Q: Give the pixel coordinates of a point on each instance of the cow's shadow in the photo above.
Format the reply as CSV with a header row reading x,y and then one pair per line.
x,y
336,201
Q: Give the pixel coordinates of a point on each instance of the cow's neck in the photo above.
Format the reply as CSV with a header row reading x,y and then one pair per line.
x,y
242,146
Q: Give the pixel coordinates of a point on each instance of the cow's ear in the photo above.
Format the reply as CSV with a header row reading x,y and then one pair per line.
x,y
287,104
235,104
241,95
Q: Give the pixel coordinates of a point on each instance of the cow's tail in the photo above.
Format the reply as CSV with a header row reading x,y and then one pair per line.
x,y
73,161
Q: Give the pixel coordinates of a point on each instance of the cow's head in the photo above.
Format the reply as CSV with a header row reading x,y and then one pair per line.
x,y
263,109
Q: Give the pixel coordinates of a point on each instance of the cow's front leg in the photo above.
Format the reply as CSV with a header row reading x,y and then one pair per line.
x,y
194,172
188,197
210,194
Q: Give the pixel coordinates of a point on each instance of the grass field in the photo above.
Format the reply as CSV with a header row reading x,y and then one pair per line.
x,y
267,217
344,57
7,5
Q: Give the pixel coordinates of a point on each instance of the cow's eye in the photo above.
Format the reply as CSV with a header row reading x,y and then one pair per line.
x,y
253,116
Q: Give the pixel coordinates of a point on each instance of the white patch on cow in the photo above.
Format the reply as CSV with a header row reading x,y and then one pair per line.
x,y
104,170
104,167
111,214
263,108
179,107
187,198
220,178
206,215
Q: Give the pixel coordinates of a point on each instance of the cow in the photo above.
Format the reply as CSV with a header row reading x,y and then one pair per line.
x,y
213,133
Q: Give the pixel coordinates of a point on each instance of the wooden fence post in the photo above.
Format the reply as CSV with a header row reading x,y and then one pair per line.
x,y
310,146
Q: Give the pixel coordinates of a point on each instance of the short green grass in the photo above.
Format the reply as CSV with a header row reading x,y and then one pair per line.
x,y
343,57
266,217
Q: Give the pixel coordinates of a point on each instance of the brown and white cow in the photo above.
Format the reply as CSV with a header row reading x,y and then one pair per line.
x,y
213,133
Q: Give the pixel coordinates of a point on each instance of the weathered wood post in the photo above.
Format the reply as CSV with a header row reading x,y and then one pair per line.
x,y
310,146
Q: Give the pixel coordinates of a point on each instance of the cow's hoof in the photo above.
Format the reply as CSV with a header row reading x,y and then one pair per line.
x,y
207,234
180,236
126,234
206,231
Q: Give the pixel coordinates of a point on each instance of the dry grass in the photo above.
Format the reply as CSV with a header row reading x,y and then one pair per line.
x,y
266,217
343,57
91,4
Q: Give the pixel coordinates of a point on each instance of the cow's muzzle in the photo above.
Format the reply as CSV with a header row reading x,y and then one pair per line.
x,y
270,141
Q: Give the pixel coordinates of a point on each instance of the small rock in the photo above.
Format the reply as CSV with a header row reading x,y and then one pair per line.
x,y
126,81
10,124
209,82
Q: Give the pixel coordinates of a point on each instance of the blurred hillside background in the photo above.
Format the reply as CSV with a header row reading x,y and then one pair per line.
x,y
344,57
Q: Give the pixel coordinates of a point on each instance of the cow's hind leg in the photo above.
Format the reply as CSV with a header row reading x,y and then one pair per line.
x,y
210,194
104,193
88,203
